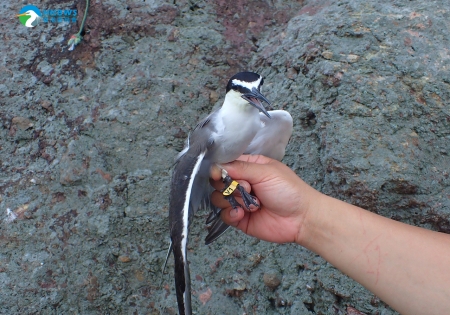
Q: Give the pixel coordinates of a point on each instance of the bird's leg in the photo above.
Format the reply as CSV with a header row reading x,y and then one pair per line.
x,y
231,186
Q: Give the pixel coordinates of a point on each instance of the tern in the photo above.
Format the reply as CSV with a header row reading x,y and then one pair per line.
x,y
241,126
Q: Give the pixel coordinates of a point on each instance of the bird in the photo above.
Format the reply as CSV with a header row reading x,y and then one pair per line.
x,y
241,125
33,20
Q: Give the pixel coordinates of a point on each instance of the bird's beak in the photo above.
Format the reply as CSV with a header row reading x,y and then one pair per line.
x,y
254,98
23,14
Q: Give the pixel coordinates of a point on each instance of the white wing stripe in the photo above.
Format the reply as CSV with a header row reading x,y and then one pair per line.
x,y
186,210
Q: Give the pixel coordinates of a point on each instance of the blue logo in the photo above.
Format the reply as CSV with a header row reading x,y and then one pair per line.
x,y
30,16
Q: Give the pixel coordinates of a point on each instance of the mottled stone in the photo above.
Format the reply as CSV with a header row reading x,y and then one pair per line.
x,y
271,280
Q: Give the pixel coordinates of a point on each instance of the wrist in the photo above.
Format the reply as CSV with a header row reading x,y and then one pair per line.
x,y
312,215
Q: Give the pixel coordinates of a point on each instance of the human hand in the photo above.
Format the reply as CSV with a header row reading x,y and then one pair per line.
x,y
387,257
284,198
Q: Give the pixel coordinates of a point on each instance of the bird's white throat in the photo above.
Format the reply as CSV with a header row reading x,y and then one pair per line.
x,y
234,105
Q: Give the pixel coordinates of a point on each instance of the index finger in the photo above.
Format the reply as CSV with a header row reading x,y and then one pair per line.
x,y
216,170
258,159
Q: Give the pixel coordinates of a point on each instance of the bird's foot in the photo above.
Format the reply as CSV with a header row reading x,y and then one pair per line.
x,y
231,186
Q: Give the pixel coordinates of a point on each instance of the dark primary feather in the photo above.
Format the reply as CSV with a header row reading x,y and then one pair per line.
x,y
185,172
216,229
180,182
182,175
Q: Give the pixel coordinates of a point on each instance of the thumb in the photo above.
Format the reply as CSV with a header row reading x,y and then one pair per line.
x,y
250,168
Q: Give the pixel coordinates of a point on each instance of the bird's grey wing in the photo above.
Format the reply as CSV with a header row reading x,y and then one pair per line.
x,y
273,137
198,132
179,216
188,187
215,225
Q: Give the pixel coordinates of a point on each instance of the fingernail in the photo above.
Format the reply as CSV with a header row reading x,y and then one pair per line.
x,y
234,212
217,167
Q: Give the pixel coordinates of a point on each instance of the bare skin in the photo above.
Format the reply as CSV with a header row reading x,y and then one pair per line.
x,y
406,266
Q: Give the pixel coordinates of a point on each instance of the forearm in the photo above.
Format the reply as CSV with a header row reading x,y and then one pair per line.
x,y
406,266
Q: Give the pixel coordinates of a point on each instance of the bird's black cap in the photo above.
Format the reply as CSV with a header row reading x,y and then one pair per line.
x,y
237,82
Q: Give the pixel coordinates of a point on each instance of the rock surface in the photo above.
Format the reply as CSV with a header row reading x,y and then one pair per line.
x,y
88,138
